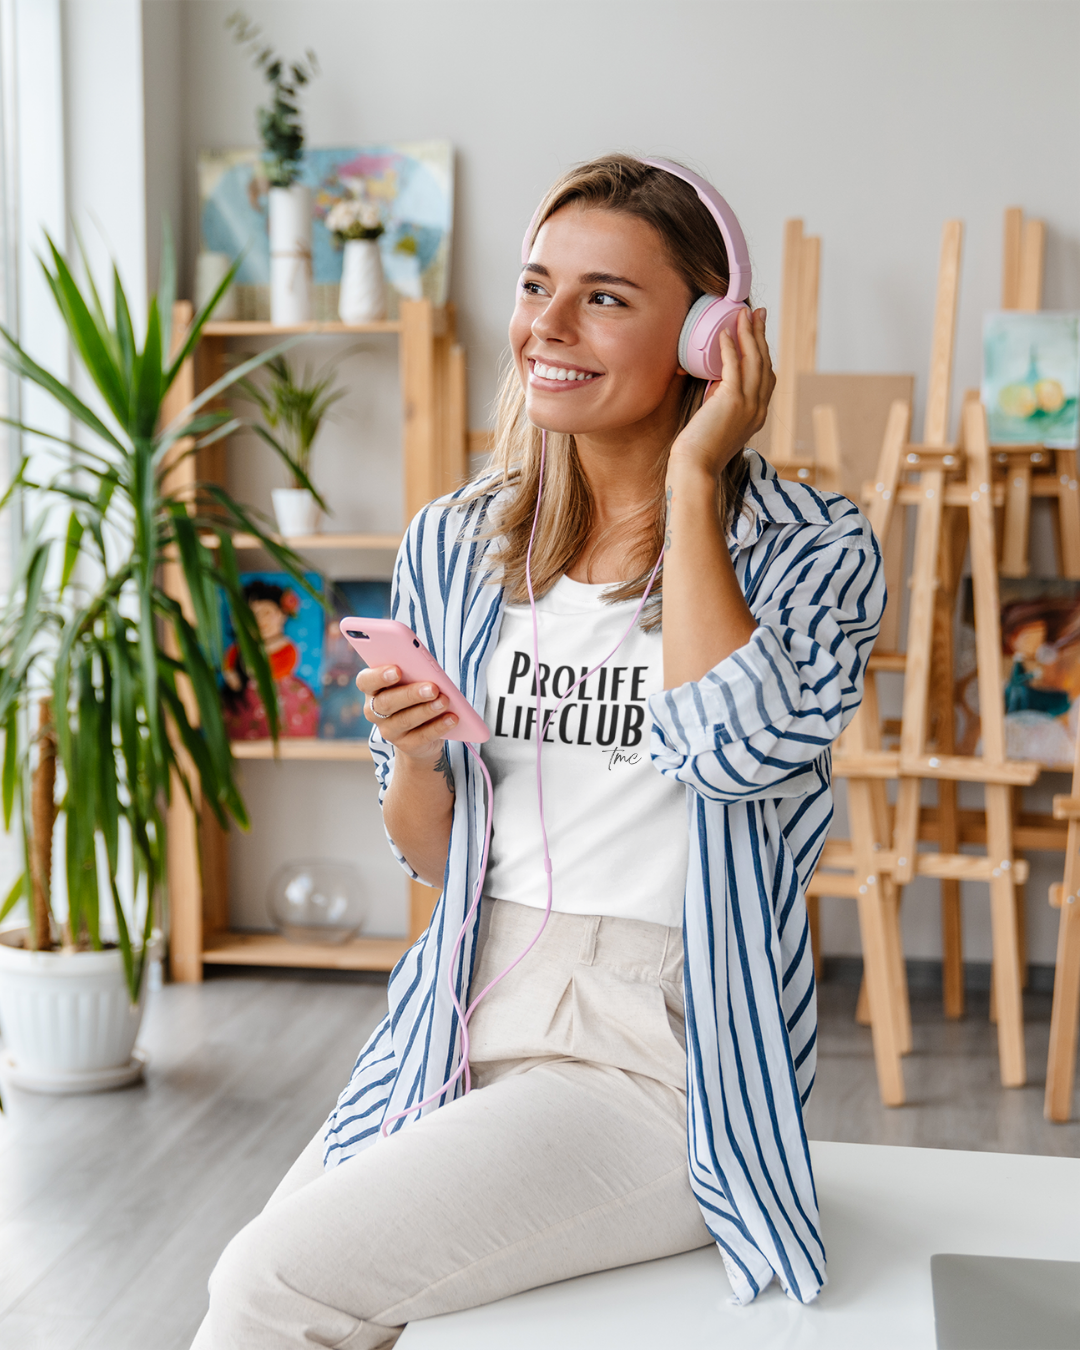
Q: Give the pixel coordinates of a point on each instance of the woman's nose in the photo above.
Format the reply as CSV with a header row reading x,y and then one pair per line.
x,y
554,323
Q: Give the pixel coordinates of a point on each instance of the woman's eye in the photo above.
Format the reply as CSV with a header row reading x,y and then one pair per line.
x,y
532,288
606,300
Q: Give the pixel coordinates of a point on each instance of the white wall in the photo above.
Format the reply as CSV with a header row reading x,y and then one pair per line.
x,y
873,121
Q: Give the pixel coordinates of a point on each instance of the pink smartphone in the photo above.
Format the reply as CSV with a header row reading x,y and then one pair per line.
x,y
385,642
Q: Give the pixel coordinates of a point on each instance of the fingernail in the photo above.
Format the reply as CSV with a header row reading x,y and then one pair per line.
x,y
450,720
390,673
427,691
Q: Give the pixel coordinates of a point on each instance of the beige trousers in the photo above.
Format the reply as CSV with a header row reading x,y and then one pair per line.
x,y
568,1156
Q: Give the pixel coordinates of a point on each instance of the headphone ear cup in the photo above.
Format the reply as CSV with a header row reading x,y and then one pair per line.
x,y
699,341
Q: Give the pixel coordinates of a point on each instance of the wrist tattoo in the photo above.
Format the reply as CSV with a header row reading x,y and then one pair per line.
x,y
667,520
442,765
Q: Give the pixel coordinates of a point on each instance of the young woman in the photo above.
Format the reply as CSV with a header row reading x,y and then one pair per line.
x,y
623,1106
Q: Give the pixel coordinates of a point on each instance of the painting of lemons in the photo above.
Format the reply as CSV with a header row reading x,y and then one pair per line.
x,y
1031,378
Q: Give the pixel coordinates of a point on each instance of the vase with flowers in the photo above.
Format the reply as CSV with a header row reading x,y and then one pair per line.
x,y
356,224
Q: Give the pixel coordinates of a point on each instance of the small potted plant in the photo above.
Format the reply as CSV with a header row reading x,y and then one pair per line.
x,y
293,404
283,145
356,224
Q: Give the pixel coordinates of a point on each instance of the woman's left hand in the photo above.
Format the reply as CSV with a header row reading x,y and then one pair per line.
x,y
734,409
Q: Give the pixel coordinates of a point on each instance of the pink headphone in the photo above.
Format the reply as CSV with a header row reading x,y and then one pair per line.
x,y
709,315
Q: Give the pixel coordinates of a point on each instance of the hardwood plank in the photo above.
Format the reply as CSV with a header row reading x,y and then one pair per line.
x,y
21,1331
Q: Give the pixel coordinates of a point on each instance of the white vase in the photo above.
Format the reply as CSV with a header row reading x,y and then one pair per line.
x,y
290,254
297,511
363,289
68,1021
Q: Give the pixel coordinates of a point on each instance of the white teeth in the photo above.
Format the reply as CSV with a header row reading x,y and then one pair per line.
x,y
559,373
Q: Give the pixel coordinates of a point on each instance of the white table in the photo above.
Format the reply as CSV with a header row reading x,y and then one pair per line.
x,y
885,1211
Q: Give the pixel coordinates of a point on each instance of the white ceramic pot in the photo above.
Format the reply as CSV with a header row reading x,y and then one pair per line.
x,y
68,1021
290,254
297,511
363,288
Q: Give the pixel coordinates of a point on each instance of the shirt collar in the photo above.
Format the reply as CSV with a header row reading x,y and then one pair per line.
x,y
770,500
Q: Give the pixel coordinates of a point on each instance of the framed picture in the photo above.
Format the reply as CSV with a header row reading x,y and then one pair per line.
x,y
291,626
413,182
1040,671
342,703
1031,378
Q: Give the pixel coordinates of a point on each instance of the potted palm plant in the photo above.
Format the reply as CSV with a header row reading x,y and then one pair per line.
x,y
108,687
293,404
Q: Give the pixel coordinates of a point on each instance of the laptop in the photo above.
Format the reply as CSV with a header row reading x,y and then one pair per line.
x,y
1005,1303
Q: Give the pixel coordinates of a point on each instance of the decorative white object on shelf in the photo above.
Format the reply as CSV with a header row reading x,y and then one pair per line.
x,y
210,270
363,288
290,254
69,1023
297,511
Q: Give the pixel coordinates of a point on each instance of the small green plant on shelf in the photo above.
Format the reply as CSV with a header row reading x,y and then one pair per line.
x,y
279,124
108,683
293,402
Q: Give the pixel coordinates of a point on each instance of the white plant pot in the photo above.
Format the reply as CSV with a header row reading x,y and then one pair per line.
x,y
68,1021
290,254
297,511
363,288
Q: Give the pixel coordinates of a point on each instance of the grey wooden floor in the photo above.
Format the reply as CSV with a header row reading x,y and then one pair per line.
x,y
113,1208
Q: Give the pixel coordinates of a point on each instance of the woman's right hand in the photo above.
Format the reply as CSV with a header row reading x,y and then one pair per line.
x,y
412,717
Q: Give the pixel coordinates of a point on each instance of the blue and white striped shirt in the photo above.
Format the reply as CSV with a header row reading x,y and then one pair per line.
x,y
751,742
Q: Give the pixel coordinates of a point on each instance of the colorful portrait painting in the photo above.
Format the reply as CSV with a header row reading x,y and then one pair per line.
x,y
290,624
1040,642
1031,378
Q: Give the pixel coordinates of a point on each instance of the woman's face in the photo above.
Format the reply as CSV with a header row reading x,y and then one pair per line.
x,y
269,617
599,301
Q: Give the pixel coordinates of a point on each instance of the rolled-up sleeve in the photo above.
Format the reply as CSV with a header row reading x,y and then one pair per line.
x,y
759,723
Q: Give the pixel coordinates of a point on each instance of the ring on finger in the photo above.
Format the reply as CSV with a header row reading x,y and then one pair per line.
x,y
374,711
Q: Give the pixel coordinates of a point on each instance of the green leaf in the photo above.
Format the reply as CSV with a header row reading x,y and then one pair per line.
x,y
147,380
91,342
11,762
191,337
18,890
26,368
302,480
71,548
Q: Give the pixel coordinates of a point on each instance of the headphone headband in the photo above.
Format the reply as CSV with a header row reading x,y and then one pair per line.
x,y
726,222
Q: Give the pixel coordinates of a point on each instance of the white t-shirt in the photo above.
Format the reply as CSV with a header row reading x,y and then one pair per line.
x,y
616,827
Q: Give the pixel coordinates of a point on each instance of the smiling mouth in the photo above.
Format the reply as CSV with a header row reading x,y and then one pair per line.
x,y
561,374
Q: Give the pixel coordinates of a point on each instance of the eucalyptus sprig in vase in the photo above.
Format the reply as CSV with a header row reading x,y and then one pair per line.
x,y
289,201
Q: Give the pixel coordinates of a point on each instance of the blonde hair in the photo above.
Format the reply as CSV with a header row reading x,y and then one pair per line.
x,y
695,249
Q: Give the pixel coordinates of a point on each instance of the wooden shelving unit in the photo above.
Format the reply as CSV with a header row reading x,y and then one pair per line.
x,y
434,460
301,747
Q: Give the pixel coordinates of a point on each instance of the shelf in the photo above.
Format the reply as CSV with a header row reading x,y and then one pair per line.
x,y
301,747
302,543
270,949
264,328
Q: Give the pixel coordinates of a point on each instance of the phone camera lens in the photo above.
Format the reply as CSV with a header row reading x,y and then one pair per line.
x,y
416,642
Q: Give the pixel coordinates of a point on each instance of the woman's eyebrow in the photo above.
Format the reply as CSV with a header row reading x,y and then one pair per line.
x,y
586,278
606,279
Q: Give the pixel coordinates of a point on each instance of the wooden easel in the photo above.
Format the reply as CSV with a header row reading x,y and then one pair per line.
x,y
797,353
951,488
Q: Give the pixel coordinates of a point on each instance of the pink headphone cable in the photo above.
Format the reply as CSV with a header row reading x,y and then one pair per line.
x,y
465,1015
